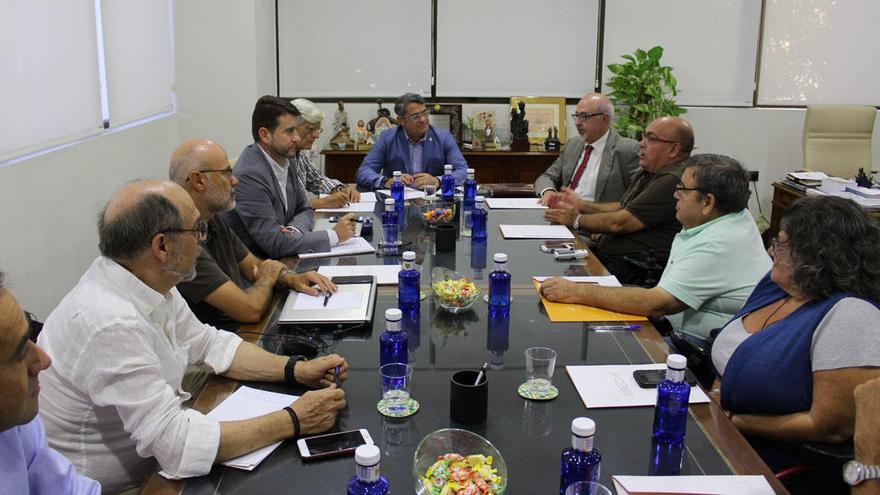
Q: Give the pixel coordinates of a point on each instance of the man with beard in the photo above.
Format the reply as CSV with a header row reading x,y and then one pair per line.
x,y
272,215
231,285
123,338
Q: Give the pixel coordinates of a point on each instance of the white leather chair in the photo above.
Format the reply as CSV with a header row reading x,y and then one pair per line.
x,y
837,139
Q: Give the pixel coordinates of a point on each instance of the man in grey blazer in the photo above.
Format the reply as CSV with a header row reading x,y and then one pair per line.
x,y
598,164
272,215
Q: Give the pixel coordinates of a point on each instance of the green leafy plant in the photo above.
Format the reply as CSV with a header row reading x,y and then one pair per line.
x,y
642,90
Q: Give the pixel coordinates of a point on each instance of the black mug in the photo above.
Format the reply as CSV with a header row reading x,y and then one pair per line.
x,y
444,237
468,402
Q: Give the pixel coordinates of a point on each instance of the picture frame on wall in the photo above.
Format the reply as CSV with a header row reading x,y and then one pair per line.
x,y
543,113
446,116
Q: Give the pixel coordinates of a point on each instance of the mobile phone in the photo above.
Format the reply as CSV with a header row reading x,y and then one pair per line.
x,y
557,246
650,378
332,444
556,243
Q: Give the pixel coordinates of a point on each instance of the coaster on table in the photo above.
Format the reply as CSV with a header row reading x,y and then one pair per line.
x,y
528,392
384,407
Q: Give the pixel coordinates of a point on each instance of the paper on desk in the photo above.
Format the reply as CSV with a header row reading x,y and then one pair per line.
x,y
514,204
535,231
247,403
366,197
355,245
569,312
603,280
720,485
808,175
385,274
337,301
614,386
408,193
361,207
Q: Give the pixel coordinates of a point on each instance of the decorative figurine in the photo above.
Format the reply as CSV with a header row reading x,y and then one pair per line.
x,y
862,178
340,118
380,125
553,143
342,139
519,128
380,113
361,133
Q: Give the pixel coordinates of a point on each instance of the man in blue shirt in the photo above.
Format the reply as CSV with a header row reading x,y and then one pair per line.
x,y
415,148
28,465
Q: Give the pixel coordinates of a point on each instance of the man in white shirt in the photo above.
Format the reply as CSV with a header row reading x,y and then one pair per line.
x,y
123,338
598,164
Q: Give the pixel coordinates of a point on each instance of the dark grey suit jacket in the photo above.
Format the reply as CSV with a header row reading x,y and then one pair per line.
x,y
618,168
260,210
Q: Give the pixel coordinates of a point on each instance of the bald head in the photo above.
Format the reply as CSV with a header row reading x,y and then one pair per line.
x,y
195,154
593,116
680,130
598,102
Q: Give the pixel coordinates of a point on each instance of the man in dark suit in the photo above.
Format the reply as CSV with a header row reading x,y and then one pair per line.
x,y
598,165
272,215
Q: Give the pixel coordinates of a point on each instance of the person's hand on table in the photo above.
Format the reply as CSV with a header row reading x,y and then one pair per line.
x,y
345,227
312,283
320,372
317,409
558,289
422,179
336,199
563,215
550,198
268,269
351,194
405,178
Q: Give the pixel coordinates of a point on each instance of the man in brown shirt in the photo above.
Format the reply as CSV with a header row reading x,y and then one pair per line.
x,y
644,219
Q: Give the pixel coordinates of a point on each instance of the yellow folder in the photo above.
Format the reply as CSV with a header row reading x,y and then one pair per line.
x,y
565,312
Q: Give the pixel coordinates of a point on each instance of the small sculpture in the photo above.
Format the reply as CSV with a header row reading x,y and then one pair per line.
x,y
862,178
380,113
340,118
519,128
361,133
342,139
552,143
380,125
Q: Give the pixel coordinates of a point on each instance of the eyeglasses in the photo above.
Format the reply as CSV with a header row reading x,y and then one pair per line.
x,y
653,138
680,187
312,129
417,116
201,229
225,171
585,115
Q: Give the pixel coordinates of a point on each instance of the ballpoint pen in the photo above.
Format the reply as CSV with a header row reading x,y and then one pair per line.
x,y
336,376
480,374
327,298
614,327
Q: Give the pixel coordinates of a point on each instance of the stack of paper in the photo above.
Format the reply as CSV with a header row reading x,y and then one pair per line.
x,y
514,204
565,312
408,193
720,485
535,232
355,245
247,403
366,204
385,274
614,386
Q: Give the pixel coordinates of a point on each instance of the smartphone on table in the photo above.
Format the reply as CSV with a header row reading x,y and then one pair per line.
x,y
332,444
651,378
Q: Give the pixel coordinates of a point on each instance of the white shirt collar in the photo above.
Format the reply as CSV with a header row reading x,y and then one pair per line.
x,y
135,289
599,143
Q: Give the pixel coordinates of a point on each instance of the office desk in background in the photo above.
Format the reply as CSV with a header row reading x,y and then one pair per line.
x,y
530,435
490,166
783,196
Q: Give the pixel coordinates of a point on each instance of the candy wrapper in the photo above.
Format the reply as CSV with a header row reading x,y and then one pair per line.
x,y
454,474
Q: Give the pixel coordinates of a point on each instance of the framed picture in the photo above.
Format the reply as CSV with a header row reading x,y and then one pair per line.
x,y
543,113
446,116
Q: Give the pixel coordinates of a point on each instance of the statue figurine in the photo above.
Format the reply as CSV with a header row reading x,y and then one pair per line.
x,y
342,139
340,118
380,113
862,178
519,128
361,132
548,140
554,143
380,125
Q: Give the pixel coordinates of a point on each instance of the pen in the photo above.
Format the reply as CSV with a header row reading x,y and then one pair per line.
x,y
336,376
614,327
480,374
327,298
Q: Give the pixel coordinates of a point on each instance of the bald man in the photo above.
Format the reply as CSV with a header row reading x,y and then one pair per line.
x,y
643,220
231,285
123,337
598,164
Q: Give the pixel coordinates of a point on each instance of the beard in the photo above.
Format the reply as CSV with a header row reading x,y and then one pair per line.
x,y
218,202
185,274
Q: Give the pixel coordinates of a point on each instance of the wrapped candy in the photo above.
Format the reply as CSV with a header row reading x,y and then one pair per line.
x,y
454,474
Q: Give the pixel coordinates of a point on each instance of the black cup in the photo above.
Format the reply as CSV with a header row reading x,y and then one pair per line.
x,y
468,402
444,237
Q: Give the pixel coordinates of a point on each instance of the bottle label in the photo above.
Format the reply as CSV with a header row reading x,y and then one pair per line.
x,y
675,375
584,444
392,326
500,267
408,265
368,473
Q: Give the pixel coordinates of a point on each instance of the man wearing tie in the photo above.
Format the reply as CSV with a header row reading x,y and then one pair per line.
x,y
598,165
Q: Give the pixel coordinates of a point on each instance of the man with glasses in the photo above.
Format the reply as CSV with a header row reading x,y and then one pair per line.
x,y
231,285
641,226
123,337
715,260
415,148
598,165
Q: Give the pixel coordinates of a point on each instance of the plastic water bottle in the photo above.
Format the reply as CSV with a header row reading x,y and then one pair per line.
x,y
390,226
397,193
673,394
447,184
499,282
498,336
478,219
408,282
393,343
478,257
367,480
666,458
580,462
470,190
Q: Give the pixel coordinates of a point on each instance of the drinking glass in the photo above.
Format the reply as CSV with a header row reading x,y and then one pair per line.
x,y
540,363
430,191
587,488
396,382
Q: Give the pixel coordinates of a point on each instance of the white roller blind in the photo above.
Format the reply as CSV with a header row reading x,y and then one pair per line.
x,y
354,48
49,89
527,48
137,49
711,45
820,51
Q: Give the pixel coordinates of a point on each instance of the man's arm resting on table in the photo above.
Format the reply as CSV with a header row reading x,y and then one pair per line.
x,y
616,222
591,207
867,433
654,302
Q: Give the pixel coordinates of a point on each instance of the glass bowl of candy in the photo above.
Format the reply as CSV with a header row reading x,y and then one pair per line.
x,y
458,461
454,291
439,213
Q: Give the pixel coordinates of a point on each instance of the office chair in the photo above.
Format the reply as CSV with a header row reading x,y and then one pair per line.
x,y
837,138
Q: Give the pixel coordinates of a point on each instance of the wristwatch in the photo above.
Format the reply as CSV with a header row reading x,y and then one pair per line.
x,y
577,222
854,472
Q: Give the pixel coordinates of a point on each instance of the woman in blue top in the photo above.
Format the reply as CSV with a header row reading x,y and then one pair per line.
x,y
810,331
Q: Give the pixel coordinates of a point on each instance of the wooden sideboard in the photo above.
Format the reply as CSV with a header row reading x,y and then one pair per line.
x,y
490,166
783,196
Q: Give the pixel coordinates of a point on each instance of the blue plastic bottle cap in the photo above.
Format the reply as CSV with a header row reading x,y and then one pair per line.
x,y
676,362
500,258
393,314
389,201
409,256
367,455
583,427
397,173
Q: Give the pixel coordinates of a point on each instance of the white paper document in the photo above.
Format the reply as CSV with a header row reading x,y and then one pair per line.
x,y
247,403
603,280
535,232
366,197
720,485
355,245
614,386
408,193
361,207
514,204
385,274
337,301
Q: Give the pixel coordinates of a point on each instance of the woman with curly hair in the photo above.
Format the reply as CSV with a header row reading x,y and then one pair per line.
x,y
810,331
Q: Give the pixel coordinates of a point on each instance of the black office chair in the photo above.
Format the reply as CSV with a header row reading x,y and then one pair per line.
x,y
821,470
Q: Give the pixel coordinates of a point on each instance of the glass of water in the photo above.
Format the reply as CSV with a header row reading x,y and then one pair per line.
x,y
396,383
540,363
587,488
430,191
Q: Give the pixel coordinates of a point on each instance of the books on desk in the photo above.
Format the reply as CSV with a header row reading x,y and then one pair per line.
x,y
566,312
807,178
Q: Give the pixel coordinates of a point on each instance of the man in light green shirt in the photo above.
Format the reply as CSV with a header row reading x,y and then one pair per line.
x,y
714,263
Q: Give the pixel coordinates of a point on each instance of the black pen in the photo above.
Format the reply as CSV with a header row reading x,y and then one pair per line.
x,y
327,298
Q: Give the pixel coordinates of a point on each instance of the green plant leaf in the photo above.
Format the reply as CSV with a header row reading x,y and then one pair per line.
x,y
655,53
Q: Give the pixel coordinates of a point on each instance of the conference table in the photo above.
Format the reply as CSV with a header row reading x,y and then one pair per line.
x,y
529,434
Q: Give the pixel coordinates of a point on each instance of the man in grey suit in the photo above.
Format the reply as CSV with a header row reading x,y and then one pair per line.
x,y
272,215
598,165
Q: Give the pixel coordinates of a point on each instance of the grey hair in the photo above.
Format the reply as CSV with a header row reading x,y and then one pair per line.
x,y
183,164
722,176
2,279
606,107
405,100
126,236
308,111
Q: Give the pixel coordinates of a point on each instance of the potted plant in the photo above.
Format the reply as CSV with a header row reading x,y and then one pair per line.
x,y
642,90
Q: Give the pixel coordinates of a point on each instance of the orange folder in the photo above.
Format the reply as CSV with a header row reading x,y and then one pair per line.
x,y
565,312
